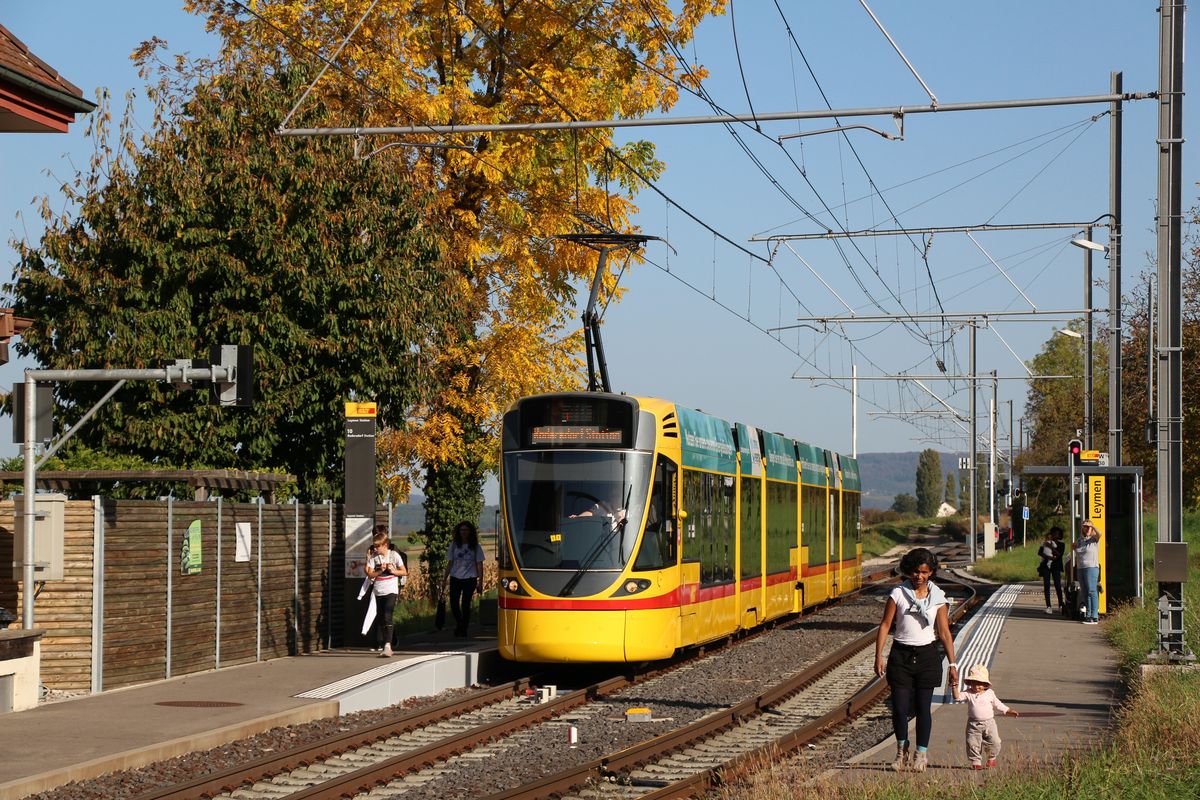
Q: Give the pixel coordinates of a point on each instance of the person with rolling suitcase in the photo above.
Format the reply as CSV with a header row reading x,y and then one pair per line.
x,y
1087,569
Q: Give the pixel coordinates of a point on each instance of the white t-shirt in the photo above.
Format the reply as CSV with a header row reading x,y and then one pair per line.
x,y
386,584
909,628
463,563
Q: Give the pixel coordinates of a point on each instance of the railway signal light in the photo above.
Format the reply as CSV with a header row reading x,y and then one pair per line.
x,y
1074,451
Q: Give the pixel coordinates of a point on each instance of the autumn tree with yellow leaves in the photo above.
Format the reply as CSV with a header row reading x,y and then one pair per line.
x,y
500,198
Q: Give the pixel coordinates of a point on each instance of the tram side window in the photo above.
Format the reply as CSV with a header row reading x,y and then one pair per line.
x,y
850,513
781,525
693,526
658,543
726,528
835,527
751,538
708,533
708,530
815,510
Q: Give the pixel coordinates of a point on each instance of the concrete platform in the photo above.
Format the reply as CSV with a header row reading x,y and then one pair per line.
x,y
80,738
1061,675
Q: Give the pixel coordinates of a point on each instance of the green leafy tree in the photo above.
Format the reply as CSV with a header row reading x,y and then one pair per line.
x,y
1055,407
929,482
951,490
1135,448
904,504
210,229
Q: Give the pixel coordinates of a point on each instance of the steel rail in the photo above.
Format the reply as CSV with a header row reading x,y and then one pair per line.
x,y
868,696
267,767
363,780
638,755
229,780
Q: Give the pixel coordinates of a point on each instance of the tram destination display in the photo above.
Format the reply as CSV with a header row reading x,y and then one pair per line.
x,y
572,421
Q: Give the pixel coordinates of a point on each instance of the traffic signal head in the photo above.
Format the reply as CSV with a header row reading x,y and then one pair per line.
x,y
1074,451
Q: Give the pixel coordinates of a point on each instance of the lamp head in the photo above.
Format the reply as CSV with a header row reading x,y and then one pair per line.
x,y
1069,332
1088,244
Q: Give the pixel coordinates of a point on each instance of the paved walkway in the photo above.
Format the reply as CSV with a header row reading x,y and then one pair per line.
x,y
75,739
1060,675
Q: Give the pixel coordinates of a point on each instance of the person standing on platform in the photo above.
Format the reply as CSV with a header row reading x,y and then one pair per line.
x,y
385,567
1087,568
983,737
914,667
1051,566
464,568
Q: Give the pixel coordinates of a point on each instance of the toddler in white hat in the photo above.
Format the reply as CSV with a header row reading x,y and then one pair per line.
x,y
983,737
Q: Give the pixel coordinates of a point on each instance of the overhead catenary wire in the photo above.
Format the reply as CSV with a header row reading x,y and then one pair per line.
x,y
775,183
669,201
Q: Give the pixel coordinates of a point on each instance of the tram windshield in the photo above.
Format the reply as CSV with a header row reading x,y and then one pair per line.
x,y
575,510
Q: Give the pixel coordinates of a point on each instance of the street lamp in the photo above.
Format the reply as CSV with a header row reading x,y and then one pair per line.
x,y
1088,246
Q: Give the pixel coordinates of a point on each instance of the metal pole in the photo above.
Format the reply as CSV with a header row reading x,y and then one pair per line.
x,y
974,440
992,511
30,510
875,232
1114,278
1011,472
1087,340
854,411
717,119
1171,641
1021,445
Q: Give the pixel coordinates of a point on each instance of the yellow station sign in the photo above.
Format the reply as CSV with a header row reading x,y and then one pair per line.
x,y
361,409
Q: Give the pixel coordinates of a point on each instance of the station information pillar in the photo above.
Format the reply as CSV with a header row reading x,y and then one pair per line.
x,y
359,515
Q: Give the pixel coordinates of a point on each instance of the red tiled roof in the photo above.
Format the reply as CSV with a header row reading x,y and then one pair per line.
x,y
33,96
16,56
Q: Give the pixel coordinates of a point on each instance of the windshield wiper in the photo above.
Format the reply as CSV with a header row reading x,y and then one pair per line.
x,y
591,557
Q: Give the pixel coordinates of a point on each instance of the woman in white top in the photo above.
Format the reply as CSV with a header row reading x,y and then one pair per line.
x,y
914,666
385,568
464,568
1087,568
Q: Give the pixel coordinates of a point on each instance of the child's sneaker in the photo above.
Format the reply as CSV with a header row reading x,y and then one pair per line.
x,y
1049,610
991,763
920,761
977,766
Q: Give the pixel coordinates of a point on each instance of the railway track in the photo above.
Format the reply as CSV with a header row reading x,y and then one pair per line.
x,y
811,705
415,748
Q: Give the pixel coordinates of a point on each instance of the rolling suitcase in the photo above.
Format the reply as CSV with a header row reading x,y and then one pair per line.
x,y
1073,608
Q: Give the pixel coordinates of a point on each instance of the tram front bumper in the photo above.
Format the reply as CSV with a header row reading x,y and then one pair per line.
x,y
588,636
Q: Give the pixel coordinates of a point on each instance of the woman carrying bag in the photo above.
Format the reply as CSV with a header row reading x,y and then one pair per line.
x,y
464,569
1051,566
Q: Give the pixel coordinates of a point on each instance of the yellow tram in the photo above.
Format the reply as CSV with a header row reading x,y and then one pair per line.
x,y
635,527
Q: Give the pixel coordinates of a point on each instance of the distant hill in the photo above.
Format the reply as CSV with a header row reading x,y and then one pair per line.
x,y
885,475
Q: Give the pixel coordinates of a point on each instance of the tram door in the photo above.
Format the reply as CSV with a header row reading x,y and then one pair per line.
x,y
834,548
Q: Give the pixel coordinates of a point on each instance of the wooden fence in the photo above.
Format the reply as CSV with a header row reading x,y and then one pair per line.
x,y
138,603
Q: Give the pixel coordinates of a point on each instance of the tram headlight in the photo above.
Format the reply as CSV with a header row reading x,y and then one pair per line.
x,y
511,585
632,586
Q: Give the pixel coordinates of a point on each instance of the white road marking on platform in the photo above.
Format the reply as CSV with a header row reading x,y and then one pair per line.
x,y
982,635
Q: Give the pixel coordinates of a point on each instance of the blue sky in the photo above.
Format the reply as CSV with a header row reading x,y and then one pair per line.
x,y
670,340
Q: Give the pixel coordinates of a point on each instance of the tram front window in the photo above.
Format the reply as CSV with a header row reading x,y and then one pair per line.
x,y
575,510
